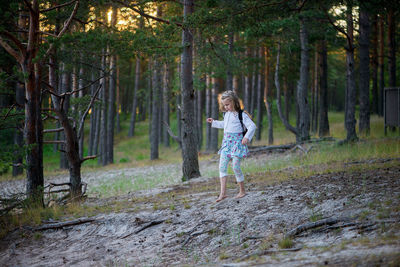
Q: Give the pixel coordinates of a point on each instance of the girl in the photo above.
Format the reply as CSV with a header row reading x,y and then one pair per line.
x,y
234,143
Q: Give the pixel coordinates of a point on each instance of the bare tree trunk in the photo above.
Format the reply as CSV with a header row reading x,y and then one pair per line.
x,y
65,84
374,65
214,113
350,100
381,60
199,116
134,105
315,95
323,85
156,89
18,134
392,46
80,94
302,87
286,98
118,104
190,165
229,75
259,93
208,112
267,98
103,114
93,119
364,114
166,102
254,84
247,84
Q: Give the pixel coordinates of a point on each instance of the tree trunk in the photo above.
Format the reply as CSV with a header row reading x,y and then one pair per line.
x,y
381,60
364,125
166,102
103,114
374,66
259,93
190,166
111,113
229,75
118,102
350,99
286,98
18,134
93,119
134,105
392,47
254,83
316,94
214,113
65,84
208,112
267,98
247,84
199,115
302,87
80,94
323,86
156,88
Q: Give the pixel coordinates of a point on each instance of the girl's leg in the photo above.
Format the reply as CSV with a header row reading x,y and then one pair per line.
x,y
223,172
239,176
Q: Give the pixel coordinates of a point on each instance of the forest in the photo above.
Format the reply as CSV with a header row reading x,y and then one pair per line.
x,y
103,133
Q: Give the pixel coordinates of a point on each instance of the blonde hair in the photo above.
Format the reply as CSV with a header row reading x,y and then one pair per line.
x,y
232,96
229,95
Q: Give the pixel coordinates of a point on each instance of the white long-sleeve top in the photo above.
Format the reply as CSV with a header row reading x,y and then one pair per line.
x,y
231,124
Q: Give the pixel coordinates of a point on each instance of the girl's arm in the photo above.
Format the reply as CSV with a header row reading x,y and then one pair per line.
x,y
250,125
215,123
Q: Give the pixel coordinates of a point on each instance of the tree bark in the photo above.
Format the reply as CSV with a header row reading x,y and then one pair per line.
x,y
190,166
374,66
229,75
267,98
18,134
214,113
103,115
364,115
323,85
208,112
166,102
156,89
80,94
315,94
254,84
381,61
65,84
350,96
118,96
247,84
392,46
302,86
93,119
135,101
260,91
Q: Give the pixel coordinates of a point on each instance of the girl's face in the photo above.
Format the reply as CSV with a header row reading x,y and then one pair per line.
x,y
228,104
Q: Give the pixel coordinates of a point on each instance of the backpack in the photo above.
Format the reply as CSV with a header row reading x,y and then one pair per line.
x,y
241,121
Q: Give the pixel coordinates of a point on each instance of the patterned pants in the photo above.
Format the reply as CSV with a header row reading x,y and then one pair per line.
x,y
223,167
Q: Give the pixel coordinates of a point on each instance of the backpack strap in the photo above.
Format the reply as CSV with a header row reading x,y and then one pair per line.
x,y
241,121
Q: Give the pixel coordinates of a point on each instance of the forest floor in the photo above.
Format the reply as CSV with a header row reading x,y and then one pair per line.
x,y
182,225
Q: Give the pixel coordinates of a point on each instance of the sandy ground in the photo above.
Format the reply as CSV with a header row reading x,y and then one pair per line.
x,y
187,227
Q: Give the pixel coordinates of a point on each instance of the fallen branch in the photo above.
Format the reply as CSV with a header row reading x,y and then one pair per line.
x,y
270,148
307,226
147,225
63,224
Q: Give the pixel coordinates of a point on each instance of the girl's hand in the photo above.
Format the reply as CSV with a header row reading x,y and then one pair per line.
x,y
210,120
245,140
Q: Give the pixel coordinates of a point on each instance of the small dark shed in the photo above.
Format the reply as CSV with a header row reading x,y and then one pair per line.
x,y
391,107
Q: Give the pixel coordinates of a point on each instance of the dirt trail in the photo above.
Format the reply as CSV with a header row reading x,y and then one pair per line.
x,y
197,231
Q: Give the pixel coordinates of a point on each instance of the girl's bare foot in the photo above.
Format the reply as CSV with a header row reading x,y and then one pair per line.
x,y
220,198
240,195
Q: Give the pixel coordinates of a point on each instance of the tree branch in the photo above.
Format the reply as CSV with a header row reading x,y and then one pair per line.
x,y
11,50
53,130
339,29
147,15
176,138
54,142
80,129
88,158
58,6
63,30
